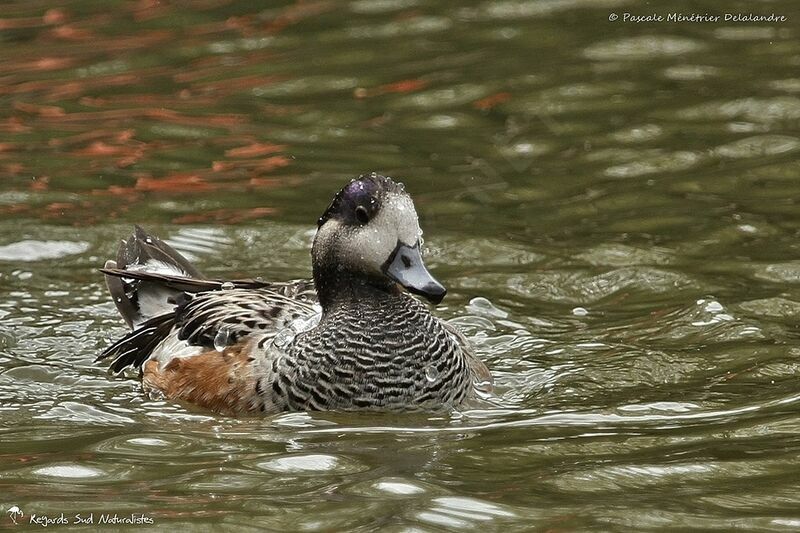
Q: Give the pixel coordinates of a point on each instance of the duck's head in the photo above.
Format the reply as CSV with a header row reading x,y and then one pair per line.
x,y
370,233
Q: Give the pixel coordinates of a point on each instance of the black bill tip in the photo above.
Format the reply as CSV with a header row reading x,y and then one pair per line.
x,y
405,266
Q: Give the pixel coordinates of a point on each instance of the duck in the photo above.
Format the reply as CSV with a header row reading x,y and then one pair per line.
x,y
356,337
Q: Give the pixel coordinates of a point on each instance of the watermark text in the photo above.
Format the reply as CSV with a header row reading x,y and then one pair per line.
x,y
701,18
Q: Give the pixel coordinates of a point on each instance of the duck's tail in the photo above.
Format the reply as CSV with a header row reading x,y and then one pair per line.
x,y
139,300
150,283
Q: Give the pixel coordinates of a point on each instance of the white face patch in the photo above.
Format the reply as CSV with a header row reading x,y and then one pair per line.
x,y
369,246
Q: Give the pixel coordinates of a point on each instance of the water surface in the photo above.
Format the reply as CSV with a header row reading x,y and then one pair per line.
x,y
613,206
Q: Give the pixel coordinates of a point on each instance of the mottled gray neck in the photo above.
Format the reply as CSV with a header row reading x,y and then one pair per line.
x,y
336,287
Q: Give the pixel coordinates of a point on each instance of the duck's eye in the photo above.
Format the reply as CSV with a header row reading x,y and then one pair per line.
x,y
361,214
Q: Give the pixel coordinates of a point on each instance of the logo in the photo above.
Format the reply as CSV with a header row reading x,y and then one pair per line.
x,y
15,512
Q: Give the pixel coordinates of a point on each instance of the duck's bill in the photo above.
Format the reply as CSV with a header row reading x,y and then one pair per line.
x,y
405,266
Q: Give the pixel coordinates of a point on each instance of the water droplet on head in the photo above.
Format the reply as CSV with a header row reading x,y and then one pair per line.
x,y
227,286
222,339
431,373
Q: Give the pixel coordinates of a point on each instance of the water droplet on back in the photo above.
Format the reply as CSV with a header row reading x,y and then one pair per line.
x,y
155,395
222,339
227,286
431,373
283,337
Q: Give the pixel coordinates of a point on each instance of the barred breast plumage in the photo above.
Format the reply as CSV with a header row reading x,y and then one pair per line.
x,y
349,340
394,356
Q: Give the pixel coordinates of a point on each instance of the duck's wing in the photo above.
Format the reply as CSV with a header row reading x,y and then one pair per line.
x,y
225,317
209,349
171,308
213,320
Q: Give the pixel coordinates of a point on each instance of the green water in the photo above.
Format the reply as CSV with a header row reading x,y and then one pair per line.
x,y
613,207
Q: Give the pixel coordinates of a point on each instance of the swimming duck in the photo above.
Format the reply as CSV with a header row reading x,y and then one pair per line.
x,y
350,339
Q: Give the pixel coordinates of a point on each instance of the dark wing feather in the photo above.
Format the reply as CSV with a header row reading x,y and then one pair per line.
x,y
135,348
142,247
144,252
185,284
